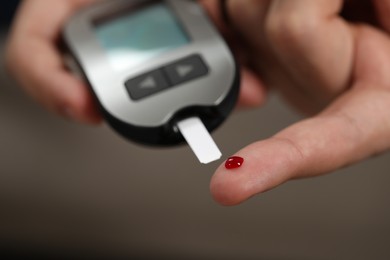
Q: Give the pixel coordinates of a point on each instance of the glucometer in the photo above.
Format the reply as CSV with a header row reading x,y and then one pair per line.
x,y
160,71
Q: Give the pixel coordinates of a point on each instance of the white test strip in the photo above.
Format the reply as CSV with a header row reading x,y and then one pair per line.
x,y
200,140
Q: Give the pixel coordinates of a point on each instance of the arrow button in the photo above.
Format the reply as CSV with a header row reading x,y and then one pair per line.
x,y
184,70
146,85
187,69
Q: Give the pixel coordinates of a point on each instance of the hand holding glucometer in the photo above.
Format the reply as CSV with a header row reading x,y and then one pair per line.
x,y
159,70
313,53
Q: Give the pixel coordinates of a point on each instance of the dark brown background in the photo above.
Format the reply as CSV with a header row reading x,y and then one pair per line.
x,y
72,188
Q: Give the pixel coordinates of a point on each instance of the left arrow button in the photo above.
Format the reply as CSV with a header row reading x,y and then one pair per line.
x,y
146,85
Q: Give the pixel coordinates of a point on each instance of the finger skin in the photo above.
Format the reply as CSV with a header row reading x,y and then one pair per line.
x,y
34,60
248,19
253,91
310,148
356,126
383,11
314,44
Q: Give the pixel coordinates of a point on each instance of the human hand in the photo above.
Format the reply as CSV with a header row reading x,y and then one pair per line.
x,y
33,58
319,62
35,62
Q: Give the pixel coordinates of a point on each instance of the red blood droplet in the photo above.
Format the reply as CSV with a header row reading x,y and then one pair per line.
x,y
234,162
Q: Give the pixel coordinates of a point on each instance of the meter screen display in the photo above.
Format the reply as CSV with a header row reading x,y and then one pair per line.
x,y
140,35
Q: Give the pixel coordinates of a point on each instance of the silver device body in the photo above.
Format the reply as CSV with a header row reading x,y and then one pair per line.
x,y
210,96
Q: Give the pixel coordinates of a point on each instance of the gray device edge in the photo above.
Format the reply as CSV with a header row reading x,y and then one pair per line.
x,y
224,78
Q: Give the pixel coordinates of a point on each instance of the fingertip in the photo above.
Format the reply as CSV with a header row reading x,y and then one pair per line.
x,y
87,115
226,192
266,165
80,106
231,186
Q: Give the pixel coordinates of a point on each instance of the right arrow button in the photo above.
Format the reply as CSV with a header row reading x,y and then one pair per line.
x,y
185,70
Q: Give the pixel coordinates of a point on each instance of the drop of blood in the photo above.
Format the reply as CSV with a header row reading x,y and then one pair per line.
x,y
234,162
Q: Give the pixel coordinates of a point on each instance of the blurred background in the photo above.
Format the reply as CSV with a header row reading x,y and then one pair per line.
x,y
70,191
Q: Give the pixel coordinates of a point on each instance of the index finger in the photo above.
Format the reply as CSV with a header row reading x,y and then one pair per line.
x,y
354,127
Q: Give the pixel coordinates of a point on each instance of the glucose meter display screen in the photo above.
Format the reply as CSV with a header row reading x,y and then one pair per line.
x,y
140,35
